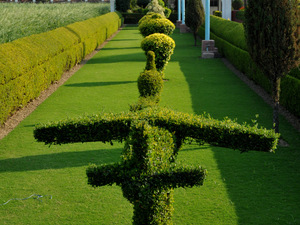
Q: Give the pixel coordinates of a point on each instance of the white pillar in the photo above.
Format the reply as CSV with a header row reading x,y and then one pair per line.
x,y
112,5
226,9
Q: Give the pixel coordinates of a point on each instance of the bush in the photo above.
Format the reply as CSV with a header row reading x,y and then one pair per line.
x,y
149,16
155,7
237,4
162,45
122,5
29,65
151,26
108,127
150,83
218,13
143,3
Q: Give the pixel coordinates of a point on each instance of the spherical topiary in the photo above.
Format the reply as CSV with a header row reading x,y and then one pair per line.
x,y
162,45
150,83
152,26
150,15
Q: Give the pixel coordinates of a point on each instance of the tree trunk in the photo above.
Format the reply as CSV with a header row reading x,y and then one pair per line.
x,y
276,96
195,37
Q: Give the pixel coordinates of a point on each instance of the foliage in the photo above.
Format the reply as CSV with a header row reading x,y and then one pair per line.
x,y
150,83
108,127
194,16
143,3
21,20
218,13
122,5
151,26
148,172
273,46
155,7
162,45
240,15
237,4
149,16
29,65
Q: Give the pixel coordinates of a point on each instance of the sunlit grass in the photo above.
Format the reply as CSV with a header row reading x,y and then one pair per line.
x,y
21,20
250,188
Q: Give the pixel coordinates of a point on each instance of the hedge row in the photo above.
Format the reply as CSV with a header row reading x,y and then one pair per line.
x,y
107,127
29,65
230,40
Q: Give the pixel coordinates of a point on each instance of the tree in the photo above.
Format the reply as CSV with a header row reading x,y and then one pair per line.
x,y
194,16
273,41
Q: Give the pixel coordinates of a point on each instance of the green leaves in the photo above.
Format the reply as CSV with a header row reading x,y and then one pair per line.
x,y
162,45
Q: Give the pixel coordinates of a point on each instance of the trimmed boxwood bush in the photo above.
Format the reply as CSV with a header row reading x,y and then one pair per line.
x,y
150,82
162,45
151,26
149,16
29,65
148,172
230,40
107,127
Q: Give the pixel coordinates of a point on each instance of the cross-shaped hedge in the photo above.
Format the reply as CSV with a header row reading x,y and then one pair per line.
x,y
147,172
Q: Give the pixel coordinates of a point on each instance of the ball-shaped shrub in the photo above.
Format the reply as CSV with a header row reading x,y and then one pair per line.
x,y
152,26
162,46
150,83
150,15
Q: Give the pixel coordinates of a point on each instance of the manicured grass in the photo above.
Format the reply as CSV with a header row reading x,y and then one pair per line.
x,y
250,188
21,20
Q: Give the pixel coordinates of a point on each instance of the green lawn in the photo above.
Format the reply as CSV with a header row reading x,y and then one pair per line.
x,y
250,188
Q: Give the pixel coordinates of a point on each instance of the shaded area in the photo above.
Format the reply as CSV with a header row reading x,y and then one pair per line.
x,y
59,160
261,186
99,84
131,58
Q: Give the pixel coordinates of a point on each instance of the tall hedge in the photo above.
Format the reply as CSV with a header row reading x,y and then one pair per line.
x,y
29,65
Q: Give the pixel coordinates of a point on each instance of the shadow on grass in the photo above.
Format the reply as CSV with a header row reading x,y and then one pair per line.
x,y
59,160
134,57
261,186
99,84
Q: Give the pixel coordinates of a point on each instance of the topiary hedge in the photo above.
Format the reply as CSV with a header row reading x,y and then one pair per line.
x,y
162,45
107,127
149,16
230,40
29,65
151,26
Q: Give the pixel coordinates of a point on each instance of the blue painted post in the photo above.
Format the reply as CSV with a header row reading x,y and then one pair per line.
x,y
183,11
179,10
207,20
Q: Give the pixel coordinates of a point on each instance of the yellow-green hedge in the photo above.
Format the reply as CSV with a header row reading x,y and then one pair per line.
x,y
29,65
